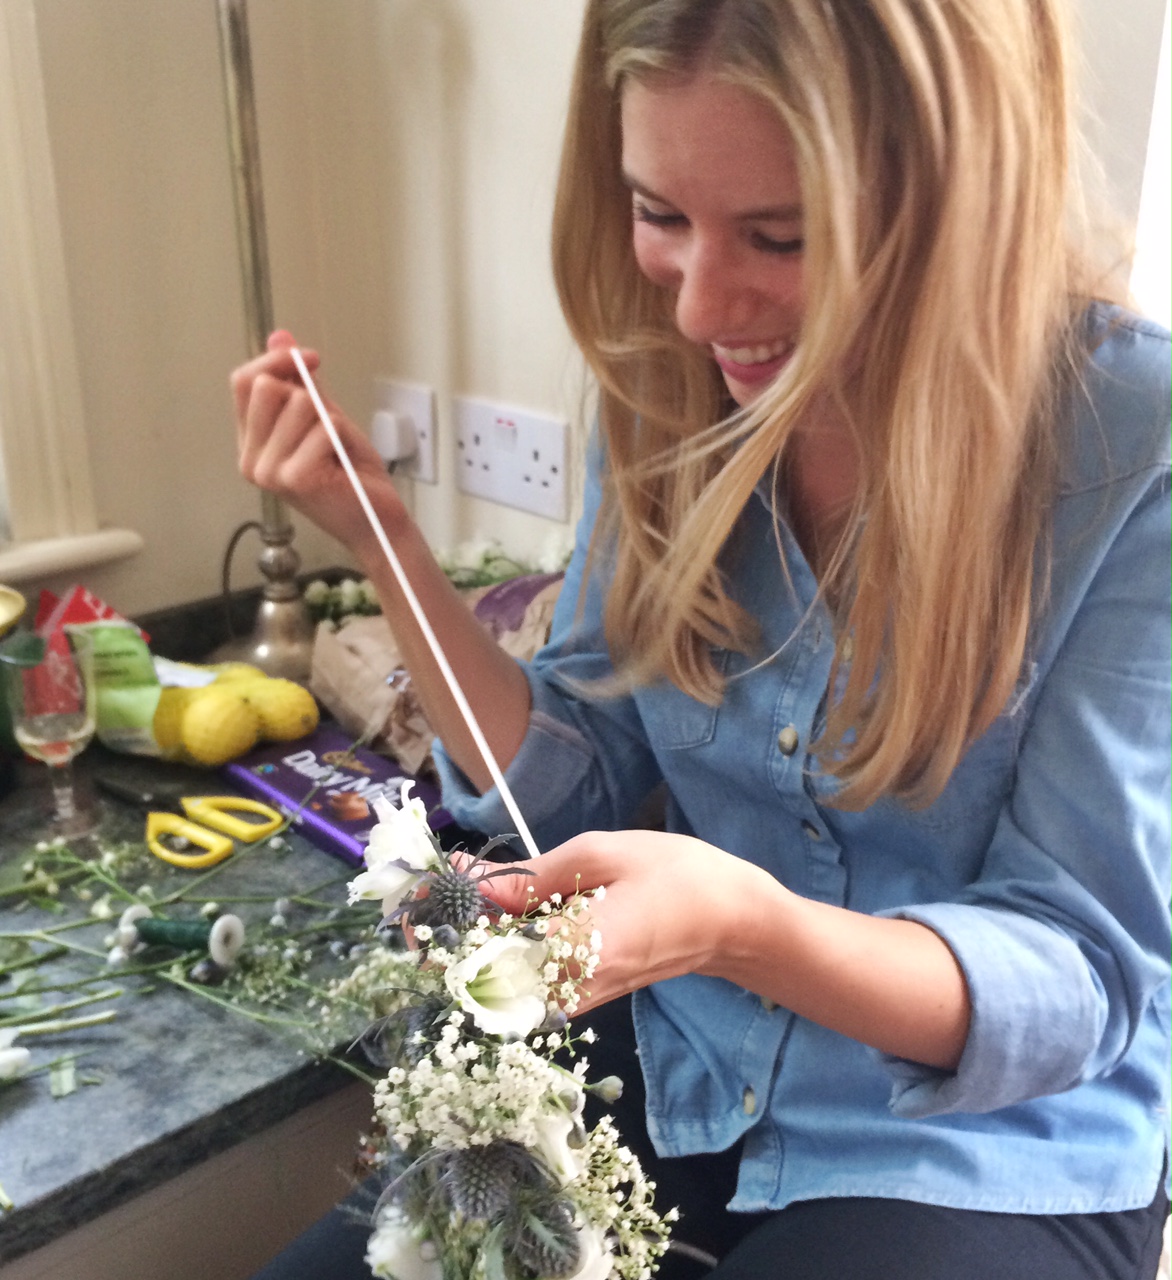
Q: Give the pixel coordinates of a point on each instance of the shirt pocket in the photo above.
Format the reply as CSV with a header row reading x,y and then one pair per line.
x,y
674,721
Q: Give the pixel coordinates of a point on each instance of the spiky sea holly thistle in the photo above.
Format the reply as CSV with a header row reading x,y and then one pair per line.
x,y
455,895
418,881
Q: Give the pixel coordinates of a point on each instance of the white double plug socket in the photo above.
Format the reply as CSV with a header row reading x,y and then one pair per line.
x,y
403,428
512,456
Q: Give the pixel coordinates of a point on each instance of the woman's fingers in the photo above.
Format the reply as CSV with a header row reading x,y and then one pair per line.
x,y
277,420
276,361
561,871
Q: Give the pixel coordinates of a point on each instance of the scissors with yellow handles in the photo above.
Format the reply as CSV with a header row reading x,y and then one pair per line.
x,y
211,824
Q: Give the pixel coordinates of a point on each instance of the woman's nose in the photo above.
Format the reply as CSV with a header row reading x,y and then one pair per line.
x,y
714,302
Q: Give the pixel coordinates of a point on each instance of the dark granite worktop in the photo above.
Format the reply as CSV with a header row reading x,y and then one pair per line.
x,y
176,1077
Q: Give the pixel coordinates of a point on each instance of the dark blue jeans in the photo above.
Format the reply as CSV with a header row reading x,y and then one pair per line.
x,y
844,1239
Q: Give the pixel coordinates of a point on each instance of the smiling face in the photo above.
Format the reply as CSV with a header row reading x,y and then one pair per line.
x,y
717,212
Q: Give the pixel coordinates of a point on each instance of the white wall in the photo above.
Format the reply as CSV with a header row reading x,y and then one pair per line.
x,y
1120,45
409,152
1151,276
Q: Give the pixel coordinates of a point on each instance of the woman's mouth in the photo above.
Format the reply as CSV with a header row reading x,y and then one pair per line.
x,y
759,362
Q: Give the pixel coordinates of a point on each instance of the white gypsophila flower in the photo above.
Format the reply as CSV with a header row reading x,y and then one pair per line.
x,y
395,1251
13,1057
401,835
453,1098
554,1127
500,985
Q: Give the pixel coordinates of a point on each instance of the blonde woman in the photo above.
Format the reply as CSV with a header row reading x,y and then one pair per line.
x,y
873,583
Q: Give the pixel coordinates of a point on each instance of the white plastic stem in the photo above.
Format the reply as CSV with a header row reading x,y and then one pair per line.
x,y
412,599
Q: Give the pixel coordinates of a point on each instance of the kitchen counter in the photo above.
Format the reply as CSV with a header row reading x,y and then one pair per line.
x,y
174,1079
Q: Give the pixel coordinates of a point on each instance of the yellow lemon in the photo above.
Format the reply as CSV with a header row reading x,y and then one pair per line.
x,y
218,724
168,721
286,709
228,671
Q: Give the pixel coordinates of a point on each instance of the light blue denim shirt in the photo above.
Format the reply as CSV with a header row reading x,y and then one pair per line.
x,y
1044,865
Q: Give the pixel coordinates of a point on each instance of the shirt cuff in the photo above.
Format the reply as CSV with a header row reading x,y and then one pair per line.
x,y
1025,980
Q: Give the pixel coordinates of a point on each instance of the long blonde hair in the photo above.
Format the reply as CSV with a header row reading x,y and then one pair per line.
x,y
933,153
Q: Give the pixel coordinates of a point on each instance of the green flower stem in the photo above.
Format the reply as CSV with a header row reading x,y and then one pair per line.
x,y
41,1068
44,988
335,929
311,987
52,1011
255,1015
326,884
93,871
68,1024
182,894
82,949
23,890
63,927
31,962
124,972
235,897
354,1070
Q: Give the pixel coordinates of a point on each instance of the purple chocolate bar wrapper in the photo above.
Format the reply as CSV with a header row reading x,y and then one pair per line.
x,y
284,773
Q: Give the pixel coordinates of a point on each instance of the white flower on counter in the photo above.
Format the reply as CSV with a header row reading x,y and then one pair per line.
x,y
500,985
399,852
395,1251
13,1057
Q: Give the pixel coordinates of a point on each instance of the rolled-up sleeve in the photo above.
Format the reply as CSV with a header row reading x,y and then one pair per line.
x,y
1064,937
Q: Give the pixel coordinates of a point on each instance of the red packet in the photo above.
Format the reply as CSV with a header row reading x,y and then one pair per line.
x,y
78,605
51,683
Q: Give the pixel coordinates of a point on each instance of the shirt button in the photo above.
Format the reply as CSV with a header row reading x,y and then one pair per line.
x,y
811,830
749,1100
787,740
767,1004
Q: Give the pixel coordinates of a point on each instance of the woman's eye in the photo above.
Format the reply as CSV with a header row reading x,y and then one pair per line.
x,y
767,244
656,218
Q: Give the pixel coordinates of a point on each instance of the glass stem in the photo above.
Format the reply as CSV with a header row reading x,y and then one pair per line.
x,y
63,794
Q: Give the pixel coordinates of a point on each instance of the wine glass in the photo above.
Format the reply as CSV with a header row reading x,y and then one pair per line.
x,y
52,708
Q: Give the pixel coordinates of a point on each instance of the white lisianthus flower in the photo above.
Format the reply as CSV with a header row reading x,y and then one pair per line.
x,y
553,1136
594,1254
395,1251
13,1058
500,986
401,835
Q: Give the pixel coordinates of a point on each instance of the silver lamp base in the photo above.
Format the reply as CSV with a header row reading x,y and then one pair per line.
x,y
281,643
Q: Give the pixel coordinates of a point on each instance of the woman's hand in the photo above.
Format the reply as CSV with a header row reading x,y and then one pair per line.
x,y
285,449
676,905
671,903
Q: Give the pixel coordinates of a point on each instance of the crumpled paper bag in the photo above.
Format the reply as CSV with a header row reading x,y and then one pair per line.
x,y
357,670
